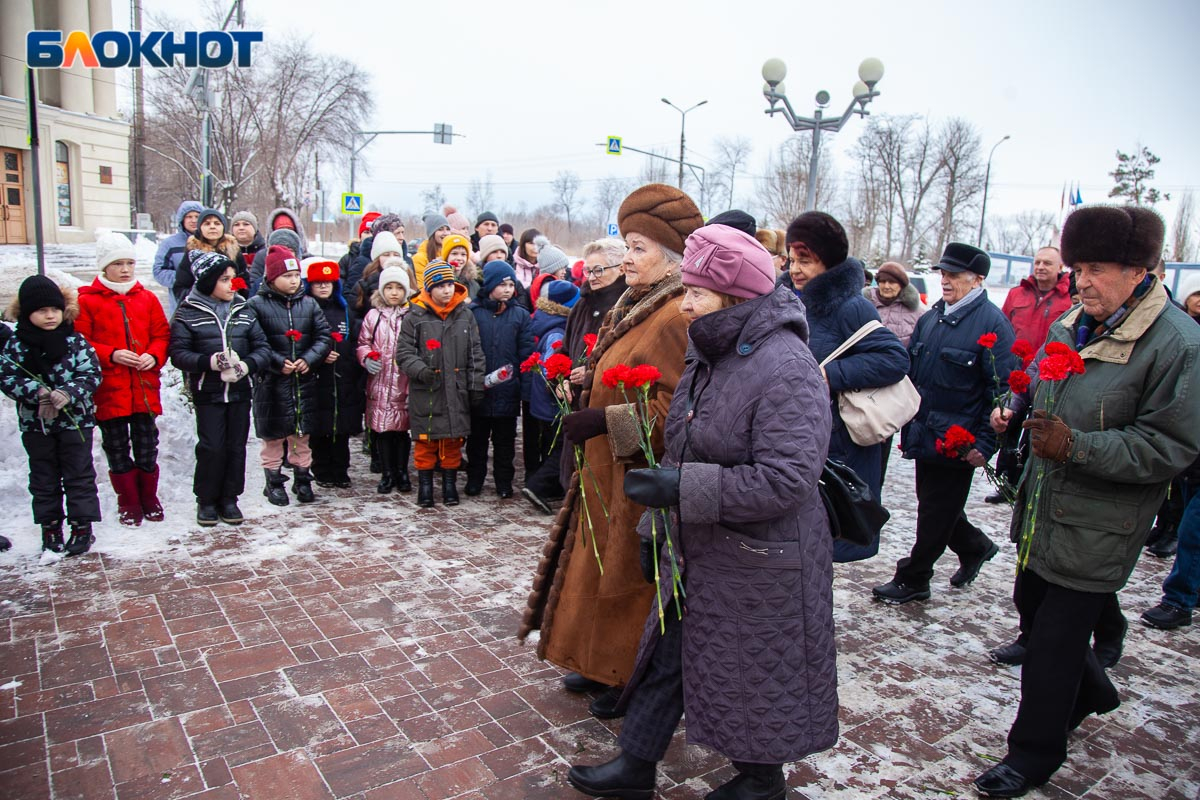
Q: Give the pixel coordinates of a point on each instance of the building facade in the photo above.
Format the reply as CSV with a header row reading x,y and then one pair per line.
x,y
83,141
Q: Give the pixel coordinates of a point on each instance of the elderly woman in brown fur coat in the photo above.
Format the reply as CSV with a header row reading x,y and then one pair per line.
x,y
590,621
211,236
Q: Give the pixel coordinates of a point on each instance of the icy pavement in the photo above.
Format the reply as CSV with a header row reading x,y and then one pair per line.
x,y
363,648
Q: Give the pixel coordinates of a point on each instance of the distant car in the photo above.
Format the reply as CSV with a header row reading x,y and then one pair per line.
x,y
918,281
414,245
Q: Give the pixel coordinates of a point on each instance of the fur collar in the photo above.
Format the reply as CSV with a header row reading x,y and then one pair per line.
x,y
552,308
824,294
70,313
227,247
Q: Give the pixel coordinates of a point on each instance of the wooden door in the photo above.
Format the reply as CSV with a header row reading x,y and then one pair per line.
x,y
12,198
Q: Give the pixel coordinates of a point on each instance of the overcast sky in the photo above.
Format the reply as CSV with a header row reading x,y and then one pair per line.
x,y
535,85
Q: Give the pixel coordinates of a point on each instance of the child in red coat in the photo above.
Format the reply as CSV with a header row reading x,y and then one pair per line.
x,y
124,323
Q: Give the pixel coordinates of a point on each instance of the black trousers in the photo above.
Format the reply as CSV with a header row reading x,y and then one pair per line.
x,y
1110,627
222,430
885,453
121,434
394,449
1061,680
502,433
546,481
331,457
656,705
60,463
531,440
942,491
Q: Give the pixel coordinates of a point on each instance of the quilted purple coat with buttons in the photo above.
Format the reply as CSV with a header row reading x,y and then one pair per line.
x,y
750,423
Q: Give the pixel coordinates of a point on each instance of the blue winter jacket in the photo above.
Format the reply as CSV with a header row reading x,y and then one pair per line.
x,y
547,329
171,250
956,377
507,338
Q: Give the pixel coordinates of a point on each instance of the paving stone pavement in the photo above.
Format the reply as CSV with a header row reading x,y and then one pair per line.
x,y
362,648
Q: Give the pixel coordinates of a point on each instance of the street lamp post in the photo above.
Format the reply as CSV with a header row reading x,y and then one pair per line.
x,y
987,178
870,72
682,120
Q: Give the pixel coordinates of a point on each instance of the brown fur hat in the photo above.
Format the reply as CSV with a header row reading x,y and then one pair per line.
x,y
770,239
661,213
1127,235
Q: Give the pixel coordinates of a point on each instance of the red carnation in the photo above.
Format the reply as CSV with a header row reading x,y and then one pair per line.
x,y
238,284
557,366
1053,368
337,337
589,340
373,354
1018,381
987,341
1057,349
293,334
531,363
432,344
644,375
615,377
955,443
557,345
1024,351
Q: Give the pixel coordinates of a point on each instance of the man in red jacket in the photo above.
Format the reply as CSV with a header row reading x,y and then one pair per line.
x,y
1031,306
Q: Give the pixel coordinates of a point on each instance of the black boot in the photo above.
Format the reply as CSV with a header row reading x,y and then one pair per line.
x,y
450,487
1166,545
387,463
274,492
625,776
403,446
81,539
425,488
754,782
4,543
303,485
52,537
229,512
206,514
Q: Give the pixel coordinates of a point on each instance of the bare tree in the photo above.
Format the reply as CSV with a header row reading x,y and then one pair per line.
x,y
480,196
566,187
781,190
1182,245
432,199
961,178
655,170
1022,233
609,194
732,155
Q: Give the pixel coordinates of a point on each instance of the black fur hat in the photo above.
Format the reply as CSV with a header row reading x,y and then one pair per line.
x,y
1127,235
822,234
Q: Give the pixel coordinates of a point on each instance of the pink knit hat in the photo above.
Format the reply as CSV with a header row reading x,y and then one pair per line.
x,y
728,261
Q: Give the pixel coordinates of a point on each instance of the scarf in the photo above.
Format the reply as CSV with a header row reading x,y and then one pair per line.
x,y
526,270
44,348
113,286
1087,327
969,298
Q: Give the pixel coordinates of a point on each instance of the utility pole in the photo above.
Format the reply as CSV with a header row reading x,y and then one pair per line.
x,y
139,129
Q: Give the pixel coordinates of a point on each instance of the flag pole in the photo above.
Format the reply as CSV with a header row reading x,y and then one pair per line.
x,y
35,162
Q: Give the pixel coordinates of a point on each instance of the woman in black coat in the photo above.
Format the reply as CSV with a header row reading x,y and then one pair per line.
x,y
830,286
959,383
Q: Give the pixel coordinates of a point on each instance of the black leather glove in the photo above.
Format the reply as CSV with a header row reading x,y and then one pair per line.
x,y
653,488
475,398
647,557
583,425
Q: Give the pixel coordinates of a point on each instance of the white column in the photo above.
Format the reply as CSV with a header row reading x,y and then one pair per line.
x,y
75,86
18,20
104,86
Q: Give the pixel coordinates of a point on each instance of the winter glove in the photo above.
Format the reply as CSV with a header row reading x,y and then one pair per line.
x,y
476,399
222,360
46,409
653,488
647,557
235,373
583,425
1049,436
427,375
59,399
373,366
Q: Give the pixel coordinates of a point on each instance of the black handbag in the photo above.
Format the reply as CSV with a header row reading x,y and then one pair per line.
x,y
854,513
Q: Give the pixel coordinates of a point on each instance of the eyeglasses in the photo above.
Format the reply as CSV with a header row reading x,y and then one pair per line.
x,y
598,272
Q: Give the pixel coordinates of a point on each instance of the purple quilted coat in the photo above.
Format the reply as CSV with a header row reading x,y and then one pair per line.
x,y
750,425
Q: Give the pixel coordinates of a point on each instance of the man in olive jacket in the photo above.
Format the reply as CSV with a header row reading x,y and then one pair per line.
x,y
1106,443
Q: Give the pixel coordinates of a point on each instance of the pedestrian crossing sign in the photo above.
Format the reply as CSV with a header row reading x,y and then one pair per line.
x,y
614,146
352,204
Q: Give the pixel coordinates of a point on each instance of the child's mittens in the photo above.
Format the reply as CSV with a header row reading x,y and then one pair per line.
x,y
235,373
373,365
46,409
223,360
427,375
59,399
